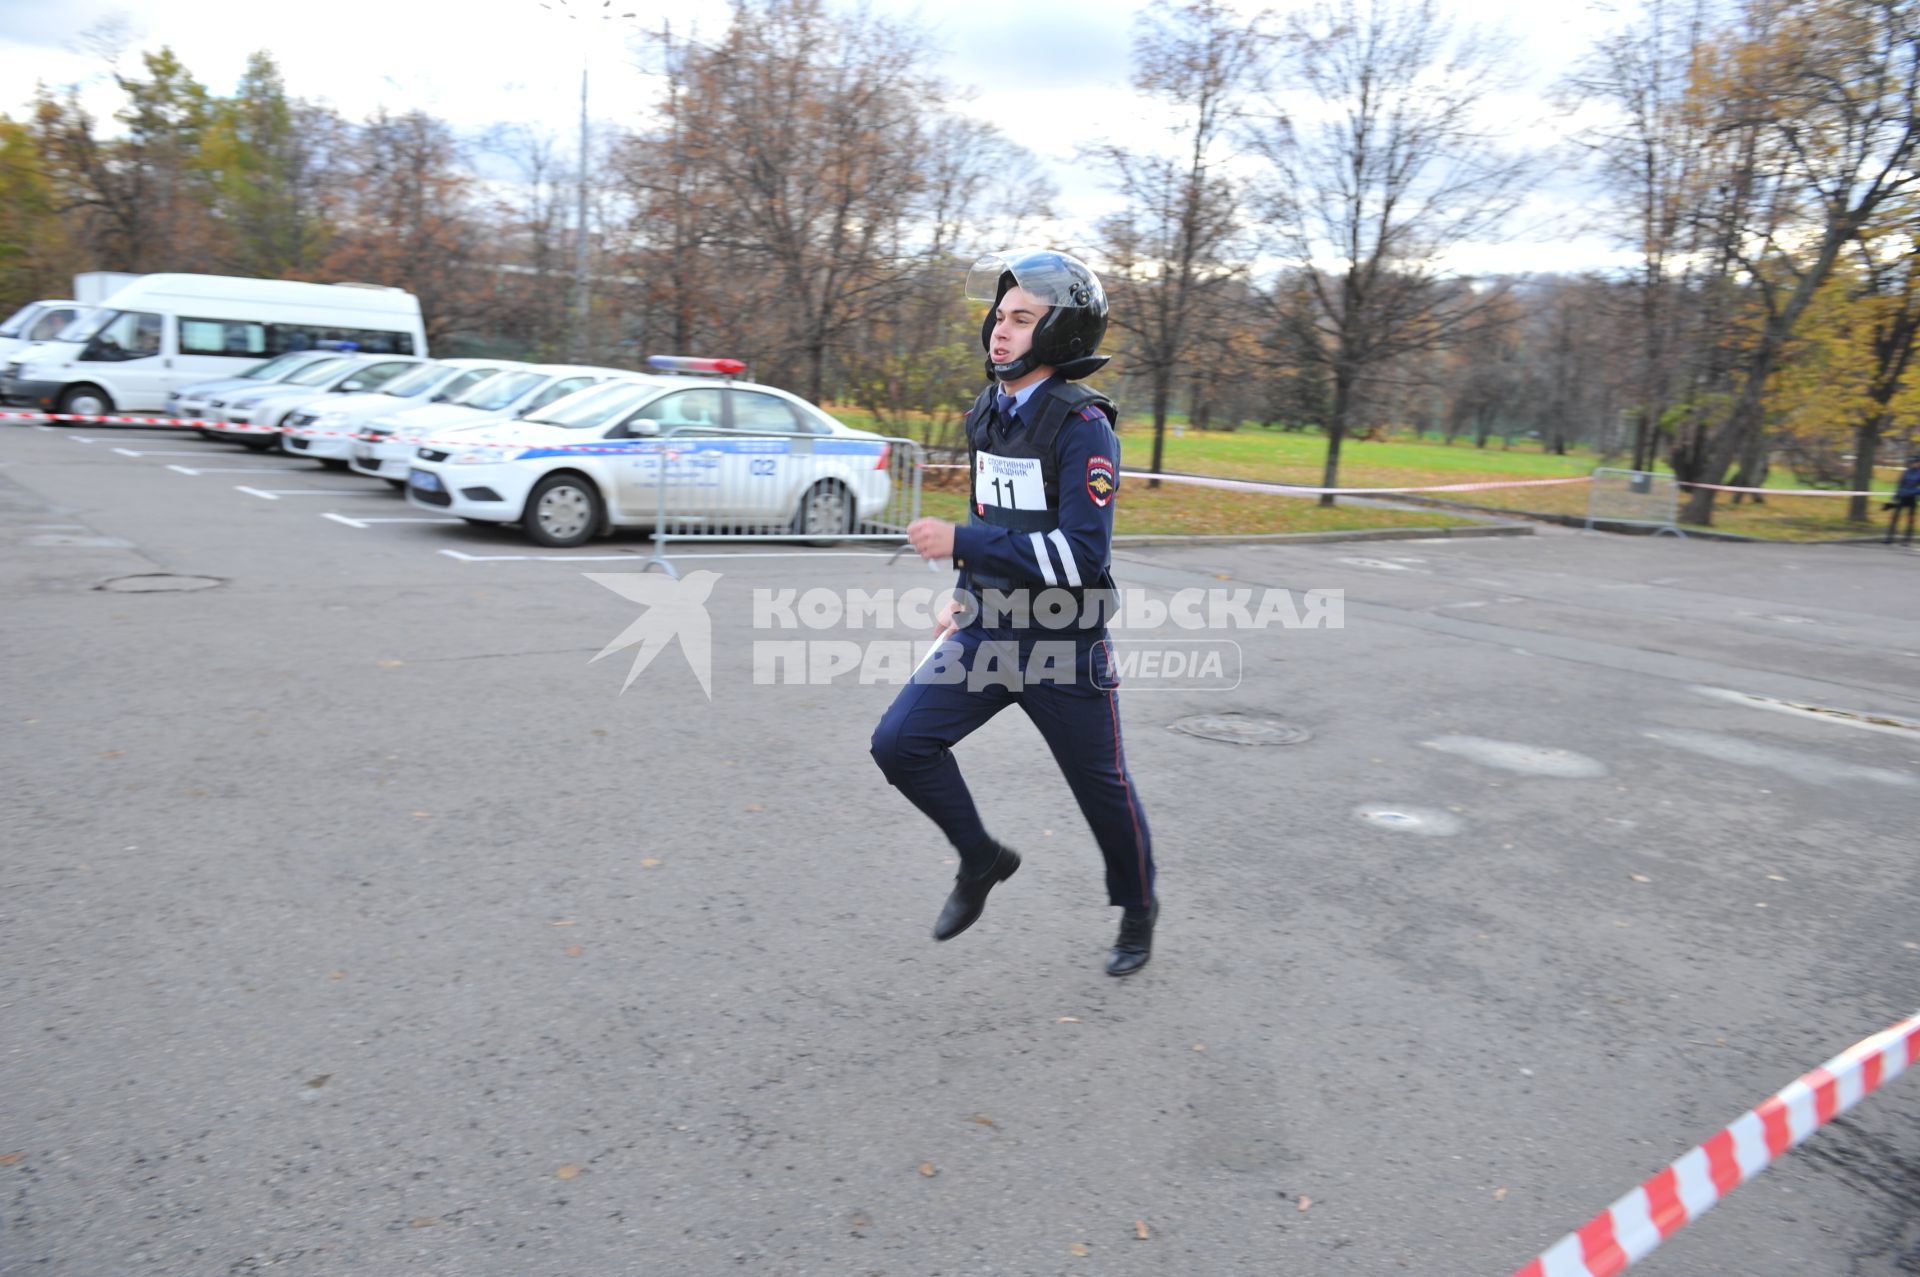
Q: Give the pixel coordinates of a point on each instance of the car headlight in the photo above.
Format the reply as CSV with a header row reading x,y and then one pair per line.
x,y
478,457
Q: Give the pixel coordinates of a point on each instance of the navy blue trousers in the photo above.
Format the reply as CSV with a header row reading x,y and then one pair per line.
x,y
1078,717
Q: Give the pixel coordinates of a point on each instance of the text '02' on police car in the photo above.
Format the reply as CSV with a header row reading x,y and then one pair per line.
x,y
671,442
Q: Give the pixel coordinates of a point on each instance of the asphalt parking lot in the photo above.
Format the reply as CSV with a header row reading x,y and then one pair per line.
x,y
353,920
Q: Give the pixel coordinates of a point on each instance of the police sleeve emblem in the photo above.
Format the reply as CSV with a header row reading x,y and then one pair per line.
x,y
1102,482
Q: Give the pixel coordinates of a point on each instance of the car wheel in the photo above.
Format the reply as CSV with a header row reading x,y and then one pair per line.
x,y
563,511
85,401
827,508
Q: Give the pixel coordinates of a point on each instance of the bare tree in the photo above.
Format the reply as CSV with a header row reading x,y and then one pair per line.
x,y
1176,241
1394,166
1650,153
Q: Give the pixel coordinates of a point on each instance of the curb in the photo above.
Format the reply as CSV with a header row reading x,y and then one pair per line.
x,y
1301,538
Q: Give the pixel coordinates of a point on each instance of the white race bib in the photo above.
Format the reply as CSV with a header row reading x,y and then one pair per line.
x,y
1013,483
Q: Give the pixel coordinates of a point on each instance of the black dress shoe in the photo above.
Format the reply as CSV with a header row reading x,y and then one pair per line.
x,y
969,896
1135,945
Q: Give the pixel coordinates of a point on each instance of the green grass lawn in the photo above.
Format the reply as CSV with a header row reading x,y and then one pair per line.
x,y
1280,456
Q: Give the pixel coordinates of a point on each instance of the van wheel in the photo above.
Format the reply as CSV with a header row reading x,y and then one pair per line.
x,y
85,401
826,508
562,511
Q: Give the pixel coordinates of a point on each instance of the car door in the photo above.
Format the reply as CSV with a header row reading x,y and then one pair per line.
x,y
683,448
128,355
775,461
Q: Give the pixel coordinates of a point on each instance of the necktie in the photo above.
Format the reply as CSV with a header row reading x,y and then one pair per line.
x,y
1008,411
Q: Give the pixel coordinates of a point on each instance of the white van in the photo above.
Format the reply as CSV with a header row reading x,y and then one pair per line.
x,y
162,332
38,321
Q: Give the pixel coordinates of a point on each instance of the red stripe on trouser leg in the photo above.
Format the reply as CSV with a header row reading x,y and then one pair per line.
x,y
1664,1207
1826,1095
1599,1247
1773,1122
1722,1165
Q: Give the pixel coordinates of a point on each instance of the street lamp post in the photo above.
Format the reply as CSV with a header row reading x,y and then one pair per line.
x,y
582,296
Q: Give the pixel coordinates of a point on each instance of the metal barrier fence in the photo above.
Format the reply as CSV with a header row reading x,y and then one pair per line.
x,y
719,484
1635,496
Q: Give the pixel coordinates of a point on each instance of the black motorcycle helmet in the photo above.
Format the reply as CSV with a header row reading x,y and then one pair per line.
x,y
1068,335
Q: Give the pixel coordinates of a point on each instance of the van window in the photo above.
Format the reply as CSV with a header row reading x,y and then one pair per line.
x,y
235,337
365,341
127,334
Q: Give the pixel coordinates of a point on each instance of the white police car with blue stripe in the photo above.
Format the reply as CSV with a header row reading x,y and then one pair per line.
x,y
736,455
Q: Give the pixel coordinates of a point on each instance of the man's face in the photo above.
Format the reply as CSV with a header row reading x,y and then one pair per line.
x,y
1014,320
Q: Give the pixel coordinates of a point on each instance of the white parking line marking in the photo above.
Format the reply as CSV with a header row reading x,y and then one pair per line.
x,y
187,452
82,439
361,523
191,470
276,493
548,558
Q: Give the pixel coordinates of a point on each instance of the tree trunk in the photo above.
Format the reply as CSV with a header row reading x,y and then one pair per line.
x,y
1866,446
1162,392
1336,431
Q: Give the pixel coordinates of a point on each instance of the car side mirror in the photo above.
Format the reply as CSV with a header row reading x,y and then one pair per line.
x,y
348,387
643,426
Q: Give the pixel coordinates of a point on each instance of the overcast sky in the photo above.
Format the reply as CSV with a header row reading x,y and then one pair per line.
x,y
1050,74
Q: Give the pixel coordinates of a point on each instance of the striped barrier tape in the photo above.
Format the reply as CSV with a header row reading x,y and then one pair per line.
x,y
241,427
1301,490
1627,1231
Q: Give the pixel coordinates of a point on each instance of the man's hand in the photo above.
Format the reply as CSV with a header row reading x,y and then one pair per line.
x,y
931,538
948,619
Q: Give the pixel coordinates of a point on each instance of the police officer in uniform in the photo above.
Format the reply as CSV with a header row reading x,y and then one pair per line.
x,y
1045,466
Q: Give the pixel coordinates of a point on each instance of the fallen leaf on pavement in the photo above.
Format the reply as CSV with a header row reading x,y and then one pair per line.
x,y
1079,1249
1639,877
1140,1229
1068,1019
567,1172
984,1121
1499,1194
926,1168
8,1159
565,922
649,863
425,1221
389,665
573,951
1305,1202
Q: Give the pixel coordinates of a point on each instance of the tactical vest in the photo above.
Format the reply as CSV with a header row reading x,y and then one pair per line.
x,y
1015,481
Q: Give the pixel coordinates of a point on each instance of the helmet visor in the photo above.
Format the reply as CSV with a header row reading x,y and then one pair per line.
x,y
1054,278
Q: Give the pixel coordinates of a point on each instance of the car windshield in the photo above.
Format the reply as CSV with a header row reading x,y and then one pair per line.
x,y
277,367
317,373
18,321
595,407
501,389
419,381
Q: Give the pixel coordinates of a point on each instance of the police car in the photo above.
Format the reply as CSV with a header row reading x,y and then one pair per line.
x,y
736,454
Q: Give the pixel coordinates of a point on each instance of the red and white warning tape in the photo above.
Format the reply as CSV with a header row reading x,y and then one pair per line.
x,y
1302,490
1627,1231
1787,492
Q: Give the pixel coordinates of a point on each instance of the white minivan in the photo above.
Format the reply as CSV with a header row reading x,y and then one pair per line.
x,y
38,321
162,332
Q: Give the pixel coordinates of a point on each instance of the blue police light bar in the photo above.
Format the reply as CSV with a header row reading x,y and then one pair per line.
x,y
682,363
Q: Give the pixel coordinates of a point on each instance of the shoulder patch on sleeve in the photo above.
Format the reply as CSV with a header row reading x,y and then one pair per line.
x,y
1103,481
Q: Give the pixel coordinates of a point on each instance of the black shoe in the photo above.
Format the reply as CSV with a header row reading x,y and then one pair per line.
x,y
1135,945
969,898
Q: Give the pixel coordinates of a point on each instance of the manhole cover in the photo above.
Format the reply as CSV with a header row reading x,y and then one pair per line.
x,y
157,582
1242,729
